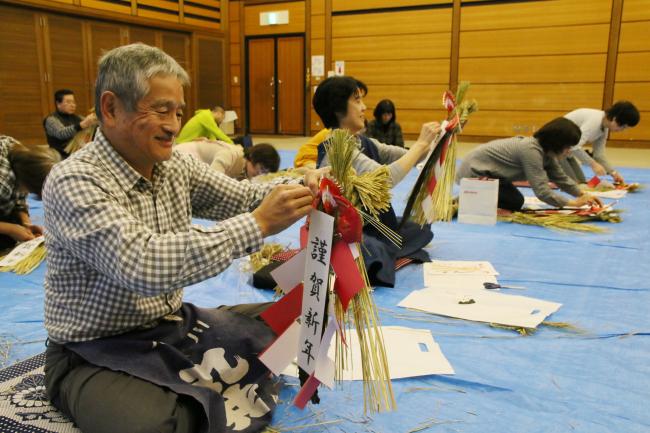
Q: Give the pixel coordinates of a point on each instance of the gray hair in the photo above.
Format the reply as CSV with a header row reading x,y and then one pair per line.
x,y
126,71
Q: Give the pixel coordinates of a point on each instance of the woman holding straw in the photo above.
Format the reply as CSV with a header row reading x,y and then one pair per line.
x,y
22,170
339,103
534,159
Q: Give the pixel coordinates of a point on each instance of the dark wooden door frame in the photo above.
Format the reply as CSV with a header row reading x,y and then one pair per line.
x,y
247,95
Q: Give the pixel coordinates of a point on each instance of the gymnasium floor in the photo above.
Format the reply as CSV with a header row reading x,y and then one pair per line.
x,y
595,380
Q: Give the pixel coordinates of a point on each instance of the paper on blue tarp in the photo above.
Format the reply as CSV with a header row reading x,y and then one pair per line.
x,y
553,381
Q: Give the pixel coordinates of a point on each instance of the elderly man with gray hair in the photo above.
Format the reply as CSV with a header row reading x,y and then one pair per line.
x,y
125,353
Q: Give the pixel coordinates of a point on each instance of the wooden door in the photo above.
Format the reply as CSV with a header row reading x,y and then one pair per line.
x,y
177,45
261,86
210,72
22,76
142,34
67,61
291,85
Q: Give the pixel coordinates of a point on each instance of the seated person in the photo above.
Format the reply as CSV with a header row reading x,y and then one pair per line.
x,y
62,125
595,126
384,126
339,103
204,124
308,153
534,159
22,169
233,161
125,353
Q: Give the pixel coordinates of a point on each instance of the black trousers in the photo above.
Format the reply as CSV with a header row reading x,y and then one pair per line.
x,y
509,196
100,400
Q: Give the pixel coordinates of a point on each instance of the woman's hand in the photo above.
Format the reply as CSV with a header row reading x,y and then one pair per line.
x,y
617,177
428,133
585,199
313,177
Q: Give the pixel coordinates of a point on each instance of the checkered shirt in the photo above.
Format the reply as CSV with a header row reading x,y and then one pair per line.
x,y
11,200
121,248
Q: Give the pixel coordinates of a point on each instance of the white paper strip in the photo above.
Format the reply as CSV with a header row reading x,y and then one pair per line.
x,y
457,281
315,283
454,267
289,274
283,350
21,251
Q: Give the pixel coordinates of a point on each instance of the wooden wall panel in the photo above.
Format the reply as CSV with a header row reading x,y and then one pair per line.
x,y
417,97
537,97
633,66
21,77
635,36
637,92
641,132
394,47
235,54
317,27
103,37
317,7
296,18
585,39
347,5
527,14
575,68
394,23
636,10
210,72
119,6
418,71
142,34
507,123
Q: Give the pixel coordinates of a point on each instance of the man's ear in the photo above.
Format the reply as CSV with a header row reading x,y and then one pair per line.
x,y
110,106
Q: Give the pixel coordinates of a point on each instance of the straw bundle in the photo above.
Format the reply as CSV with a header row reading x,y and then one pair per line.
x,y
28,263
562,221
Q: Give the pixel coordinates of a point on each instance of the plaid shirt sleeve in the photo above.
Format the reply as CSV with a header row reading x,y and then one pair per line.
x,y
100,227
11,200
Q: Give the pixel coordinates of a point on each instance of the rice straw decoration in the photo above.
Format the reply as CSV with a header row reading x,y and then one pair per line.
x,y
24,259
573,221
431,197
346,289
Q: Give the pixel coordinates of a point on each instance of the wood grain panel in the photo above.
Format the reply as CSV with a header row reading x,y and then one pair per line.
x,y
317,7
235,31
291,85
162,4
527,14
635,10
633,67
637,93
534,69
22,113
538,41
235,96
296,18
142,34
639,132
235,71
635,36
317,26
121,6
418,97
67,60
317,47
202,12
210,74
233,11
235,54
103,37
261,90
508,123
207,24
406,71
394,23
537,97
425,46
172,17
347,5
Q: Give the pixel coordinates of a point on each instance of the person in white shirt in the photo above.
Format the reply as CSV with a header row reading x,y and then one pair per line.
x,y
595,126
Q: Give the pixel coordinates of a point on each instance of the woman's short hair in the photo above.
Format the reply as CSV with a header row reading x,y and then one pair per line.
x,y
557,135
384,106
331,98
126,71
265,155
625,113
31,165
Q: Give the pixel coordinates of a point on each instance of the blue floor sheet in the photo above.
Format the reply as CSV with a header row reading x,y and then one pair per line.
x,y
597,380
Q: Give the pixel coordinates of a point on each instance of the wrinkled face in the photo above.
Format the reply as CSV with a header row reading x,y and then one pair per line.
x,y
355,118
145,137
386,117
68,105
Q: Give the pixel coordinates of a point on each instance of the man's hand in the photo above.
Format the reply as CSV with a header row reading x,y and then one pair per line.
x,y
598,169
585,199
313,177
284,205
88,121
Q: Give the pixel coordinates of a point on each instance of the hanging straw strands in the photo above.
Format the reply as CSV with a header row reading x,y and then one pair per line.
x,y
263,257
372,191
431,197
563,221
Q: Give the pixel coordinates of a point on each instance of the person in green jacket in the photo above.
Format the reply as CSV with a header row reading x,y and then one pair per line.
x,y
205,123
